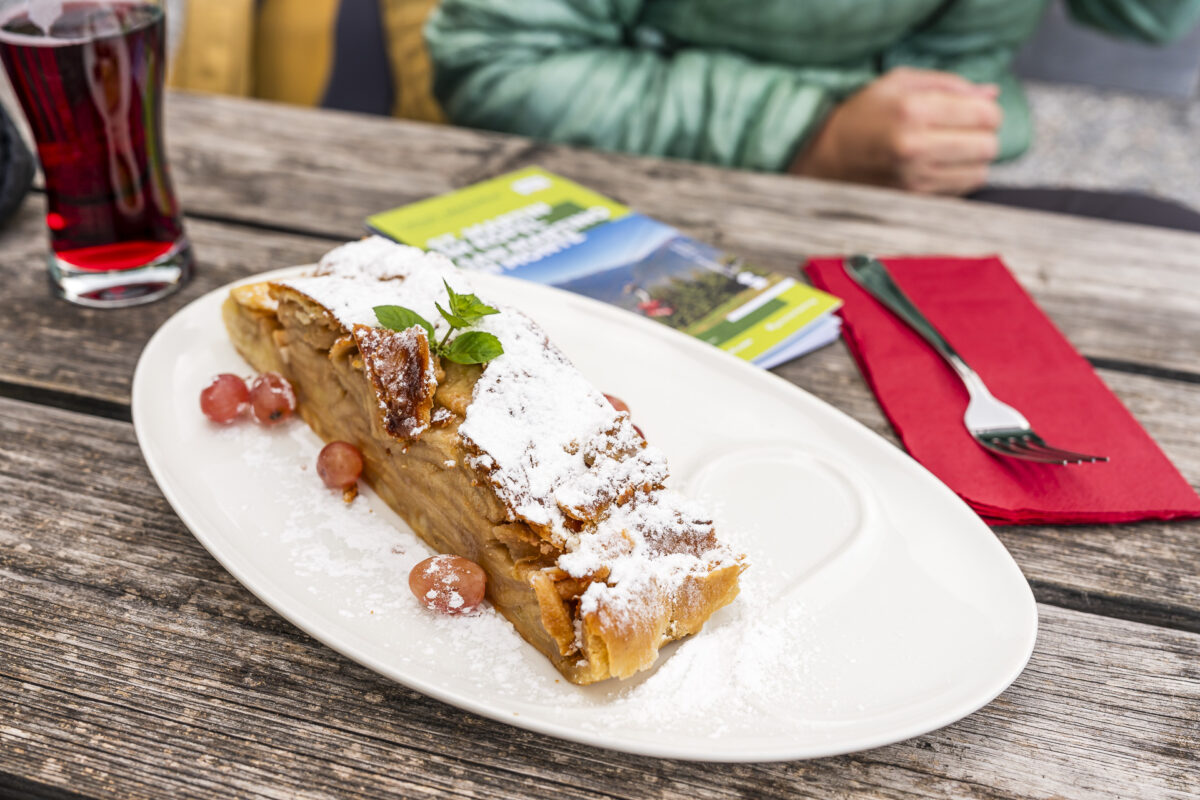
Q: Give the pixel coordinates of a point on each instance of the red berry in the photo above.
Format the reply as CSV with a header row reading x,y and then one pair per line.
x,y
272,398
339,465
448,584
617,403
639,432
224,399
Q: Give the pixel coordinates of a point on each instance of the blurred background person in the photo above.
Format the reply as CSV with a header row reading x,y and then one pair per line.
x,y
913,94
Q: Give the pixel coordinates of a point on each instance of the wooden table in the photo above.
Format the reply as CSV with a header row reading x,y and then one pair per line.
x,y
133,666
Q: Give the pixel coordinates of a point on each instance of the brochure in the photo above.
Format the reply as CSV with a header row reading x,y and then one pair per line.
x,y
534,225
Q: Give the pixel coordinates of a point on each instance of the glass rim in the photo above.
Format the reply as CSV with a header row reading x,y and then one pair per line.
x,y
11,9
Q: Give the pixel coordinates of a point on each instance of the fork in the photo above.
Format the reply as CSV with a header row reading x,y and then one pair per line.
x,y
997,426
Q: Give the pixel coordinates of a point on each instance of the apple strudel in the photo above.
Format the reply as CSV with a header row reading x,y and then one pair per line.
x,y
519,464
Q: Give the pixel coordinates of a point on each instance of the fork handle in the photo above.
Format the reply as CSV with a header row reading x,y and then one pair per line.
x,y
871,275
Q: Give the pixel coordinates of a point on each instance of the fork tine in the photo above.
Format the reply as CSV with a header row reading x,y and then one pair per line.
x,y
1068,456
1029,447
999,445
1034,444
1008,449
1041,445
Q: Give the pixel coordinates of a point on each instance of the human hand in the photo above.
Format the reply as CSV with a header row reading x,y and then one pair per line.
x,y
916,129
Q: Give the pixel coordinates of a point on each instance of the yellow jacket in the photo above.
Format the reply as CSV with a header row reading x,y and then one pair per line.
x,y
286,50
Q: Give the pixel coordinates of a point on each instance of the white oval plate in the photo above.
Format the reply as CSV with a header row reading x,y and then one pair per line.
x,y
877,606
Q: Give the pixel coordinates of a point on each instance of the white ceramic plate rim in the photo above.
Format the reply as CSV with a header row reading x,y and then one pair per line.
x,y
262,586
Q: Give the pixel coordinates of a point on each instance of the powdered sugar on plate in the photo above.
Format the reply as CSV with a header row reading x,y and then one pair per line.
x,y
356,558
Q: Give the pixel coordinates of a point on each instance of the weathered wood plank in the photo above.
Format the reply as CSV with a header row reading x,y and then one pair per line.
x,y
134,666
1118,291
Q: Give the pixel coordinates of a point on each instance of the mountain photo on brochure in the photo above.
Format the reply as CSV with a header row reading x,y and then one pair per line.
x,y
535,225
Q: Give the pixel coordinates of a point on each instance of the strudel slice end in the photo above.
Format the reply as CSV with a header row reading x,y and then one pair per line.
x,y
519,465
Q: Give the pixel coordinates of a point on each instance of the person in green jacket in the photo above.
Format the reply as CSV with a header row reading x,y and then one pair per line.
x,y
916,94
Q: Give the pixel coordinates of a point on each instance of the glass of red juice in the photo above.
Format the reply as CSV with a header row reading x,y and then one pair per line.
x,y
89,76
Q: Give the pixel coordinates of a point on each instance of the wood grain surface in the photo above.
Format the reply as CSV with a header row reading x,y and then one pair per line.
x,y
137,667
133,666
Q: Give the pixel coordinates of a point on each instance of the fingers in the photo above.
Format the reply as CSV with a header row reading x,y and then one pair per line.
x,y
936,80
942,109
951,179
945,161
946,146
922,130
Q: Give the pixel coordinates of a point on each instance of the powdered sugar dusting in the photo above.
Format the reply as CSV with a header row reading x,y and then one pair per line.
x,y
554,447
352,279
649,547
378,259
531,415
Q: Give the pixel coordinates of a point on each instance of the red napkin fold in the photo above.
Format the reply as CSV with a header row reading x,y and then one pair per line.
x,y
1026,362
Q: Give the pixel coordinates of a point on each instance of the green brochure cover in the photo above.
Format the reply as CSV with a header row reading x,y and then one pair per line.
x,y
535,225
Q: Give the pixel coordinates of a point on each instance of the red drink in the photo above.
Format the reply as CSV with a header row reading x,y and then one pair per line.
x,y
92,92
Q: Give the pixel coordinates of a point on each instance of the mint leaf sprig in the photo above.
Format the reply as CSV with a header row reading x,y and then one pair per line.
x,y
469,347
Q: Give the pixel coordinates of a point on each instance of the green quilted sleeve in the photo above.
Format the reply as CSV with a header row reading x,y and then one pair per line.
x,y
582,72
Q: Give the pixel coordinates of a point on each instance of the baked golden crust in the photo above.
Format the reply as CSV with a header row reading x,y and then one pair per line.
x,y
598,571
401,368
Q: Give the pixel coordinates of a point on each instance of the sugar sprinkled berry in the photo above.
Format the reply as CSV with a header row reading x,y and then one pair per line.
x,y
448,584
272,398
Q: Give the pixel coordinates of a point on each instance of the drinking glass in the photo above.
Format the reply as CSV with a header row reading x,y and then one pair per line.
x,y
91,88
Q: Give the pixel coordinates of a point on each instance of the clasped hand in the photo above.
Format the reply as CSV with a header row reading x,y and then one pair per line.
x,y
921,130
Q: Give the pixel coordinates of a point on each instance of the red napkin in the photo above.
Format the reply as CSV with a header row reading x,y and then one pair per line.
x,y
1027,363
